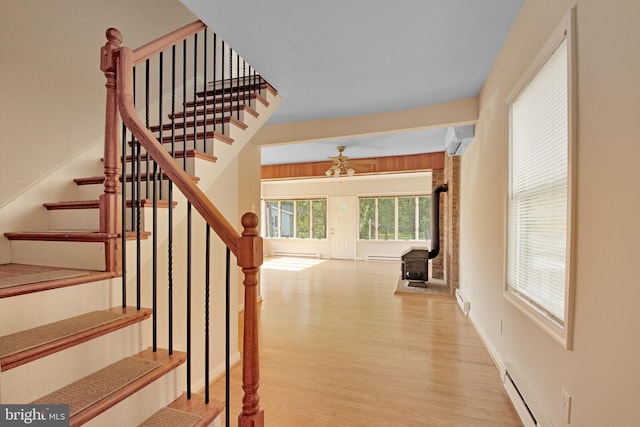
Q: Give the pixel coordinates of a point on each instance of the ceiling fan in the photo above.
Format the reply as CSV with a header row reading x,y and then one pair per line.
x,y
340,164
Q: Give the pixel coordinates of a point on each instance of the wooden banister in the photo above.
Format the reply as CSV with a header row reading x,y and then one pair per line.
x,y
180,178
117,62
110,200
161,43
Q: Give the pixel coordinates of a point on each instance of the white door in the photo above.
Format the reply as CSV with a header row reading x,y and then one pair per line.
x,y
343,224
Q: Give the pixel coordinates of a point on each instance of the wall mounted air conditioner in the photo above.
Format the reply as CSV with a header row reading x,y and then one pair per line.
x,y
458,139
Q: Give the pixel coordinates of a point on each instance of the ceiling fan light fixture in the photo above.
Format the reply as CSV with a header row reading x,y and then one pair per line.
x,y
340,165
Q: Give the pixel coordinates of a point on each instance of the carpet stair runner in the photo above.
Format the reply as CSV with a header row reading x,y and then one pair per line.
x,y
25,346
184,412
95,393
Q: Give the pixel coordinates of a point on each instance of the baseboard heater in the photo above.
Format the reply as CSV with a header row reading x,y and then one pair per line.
x,y
465,306
382,258
296,254
519,402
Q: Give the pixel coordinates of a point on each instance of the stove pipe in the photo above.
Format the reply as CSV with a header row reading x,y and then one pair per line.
x,y
435,219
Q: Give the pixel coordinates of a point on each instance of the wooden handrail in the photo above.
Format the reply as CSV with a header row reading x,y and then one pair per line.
x,y
117,62
158,45
180,178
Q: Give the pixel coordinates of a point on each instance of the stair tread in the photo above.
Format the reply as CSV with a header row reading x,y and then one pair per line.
x,y
179,155
228,99
188,125
209,111
69,235
238,87
25,346
99,179
95,204
211,135
194,412
171,417
103,389
10,290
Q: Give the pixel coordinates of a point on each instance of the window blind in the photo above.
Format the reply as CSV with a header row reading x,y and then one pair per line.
x,y
538,180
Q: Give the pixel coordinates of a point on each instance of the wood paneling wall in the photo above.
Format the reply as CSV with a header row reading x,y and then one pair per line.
x,y
415,162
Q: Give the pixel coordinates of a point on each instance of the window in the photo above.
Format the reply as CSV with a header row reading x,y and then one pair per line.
x,y
386,219
394,218
301,219
367,218
319,219
538,245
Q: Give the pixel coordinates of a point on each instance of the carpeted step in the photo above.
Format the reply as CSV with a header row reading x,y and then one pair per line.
x,y
95,393
186,412
25,346
20,279
171,418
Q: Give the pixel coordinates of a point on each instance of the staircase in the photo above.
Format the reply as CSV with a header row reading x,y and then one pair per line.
x,y
78,314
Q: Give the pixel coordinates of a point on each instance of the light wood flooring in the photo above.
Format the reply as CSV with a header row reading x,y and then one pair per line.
x,y
338,348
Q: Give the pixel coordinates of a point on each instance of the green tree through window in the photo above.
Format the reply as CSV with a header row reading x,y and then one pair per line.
x,y
303,219
386,218
290,218
406,218
377,218
367,219
319,212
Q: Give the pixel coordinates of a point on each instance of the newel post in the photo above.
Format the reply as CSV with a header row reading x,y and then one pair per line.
x,y
250,259
110,218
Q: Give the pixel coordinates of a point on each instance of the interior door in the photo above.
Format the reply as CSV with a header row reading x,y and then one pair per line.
x,y
343,223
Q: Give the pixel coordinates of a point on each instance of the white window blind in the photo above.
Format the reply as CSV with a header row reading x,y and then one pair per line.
x,y
538,189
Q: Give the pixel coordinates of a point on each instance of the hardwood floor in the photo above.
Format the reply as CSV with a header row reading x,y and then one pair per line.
x,y
338,348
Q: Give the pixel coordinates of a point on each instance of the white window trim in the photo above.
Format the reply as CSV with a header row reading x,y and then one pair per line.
x,y
563,334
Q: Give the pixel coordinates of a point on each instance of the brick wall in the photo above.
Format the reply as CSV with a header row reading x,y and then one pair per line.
x,y
446,265
452,221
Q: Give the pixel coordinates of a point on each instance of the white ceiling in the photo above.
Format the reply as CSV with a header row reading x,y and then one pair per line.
x,y
336,58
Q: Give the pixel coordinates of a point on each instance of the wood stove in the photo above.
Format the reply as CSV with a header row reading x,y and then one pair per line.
x,y
415,266
415,261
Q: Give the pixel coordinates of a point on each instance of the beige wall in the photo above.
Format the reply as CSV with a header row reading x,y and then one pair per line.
x,y
52,103
601,372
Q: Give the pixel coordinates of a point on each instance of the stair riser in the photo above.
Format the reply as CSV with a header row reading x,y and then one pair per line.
x,y
89,219
93,191
84,255
55,304
74,219
42,376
